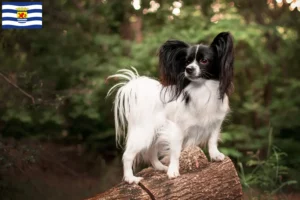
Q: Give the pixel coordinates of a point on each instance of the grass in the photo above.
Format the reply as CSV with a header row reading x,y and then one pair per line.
x,y
269,176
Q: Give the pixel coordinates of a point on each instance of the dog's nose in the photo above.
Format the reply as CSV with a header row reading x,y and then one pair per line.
x,y
189,69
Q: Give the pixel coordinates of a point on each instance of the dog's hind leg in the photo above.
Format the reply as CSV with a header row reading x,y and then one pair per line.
x,y
154,159
176,139
128,158
138,140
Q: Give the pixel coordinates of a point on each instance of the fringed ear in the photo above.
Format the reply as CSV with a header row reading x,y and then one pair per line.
x,y
171,61
223,50
172,65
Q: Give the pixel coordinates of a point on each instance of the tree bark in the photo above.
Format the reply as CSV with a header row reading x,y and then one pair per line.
x,y
200,179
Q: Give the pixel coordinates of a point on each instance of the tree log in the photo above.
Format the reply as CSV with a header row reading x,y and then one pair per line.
x,y
199,179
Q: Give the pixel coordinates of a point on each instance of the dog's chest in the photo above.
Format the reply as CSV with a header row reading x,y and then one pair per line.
x,y
205,103
202,107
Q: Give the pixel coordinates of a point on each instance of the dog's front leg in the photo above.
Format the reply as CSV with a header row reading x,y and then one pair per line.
x,y
176,139
214,153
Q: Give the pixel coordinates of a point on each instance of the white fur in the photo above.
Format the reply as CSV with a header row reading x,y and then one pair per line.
x,y
155,128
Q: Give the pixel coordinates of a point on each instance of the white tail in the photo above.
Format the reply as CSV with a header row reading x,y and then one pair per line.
x,y
122,103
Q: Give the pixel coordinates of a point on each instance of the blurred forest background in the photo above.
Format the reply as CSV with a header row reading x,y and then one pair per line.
x,y
56,127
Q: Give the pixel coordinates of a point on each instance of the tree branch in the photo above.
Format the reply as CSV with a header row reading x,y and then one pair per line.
x,y
17,87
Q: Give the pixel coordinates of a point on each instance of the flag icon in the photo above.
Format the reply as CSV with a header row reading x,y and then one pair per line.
x,y
22,15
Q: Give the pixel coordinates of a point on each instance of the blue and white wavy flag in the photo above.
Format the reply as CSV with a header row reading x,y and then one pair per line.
x,y
22,15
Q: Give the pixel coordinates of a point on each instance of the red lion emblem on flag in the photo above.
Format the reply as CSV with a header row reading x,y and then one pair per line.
x,y
22,15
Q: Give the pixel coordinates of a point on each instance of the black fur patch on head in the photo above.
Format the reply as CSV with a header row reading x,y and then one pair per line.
x,y
200,52
222,47
172,56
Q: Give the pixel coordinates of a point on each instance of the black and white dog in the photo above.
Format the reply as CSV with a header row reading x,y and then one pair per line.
x,y
186,107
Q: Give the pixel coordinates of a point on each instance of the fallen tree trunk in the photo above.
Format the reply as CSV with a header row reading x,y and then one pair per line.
x,y
200,179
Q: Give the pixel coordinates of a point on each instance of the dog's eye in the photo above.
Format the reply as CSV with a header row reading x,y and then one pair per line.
x,y
203,61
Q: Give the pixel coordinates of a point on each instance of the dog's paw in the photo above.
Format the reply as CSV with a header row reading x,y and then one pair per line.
x,y
133,179
161,168
164,168
165,160
217,156
173,172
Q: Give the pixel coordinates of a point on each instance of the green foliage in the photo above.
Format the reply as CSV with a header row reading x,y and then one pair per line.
x,y
268,174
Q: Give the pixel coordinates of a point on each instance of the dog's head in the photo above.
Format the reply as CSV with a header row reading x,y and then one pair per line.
x,y
181,63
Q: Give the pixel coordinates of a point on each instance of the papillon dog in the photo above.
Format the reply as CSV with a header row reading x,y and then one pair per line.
x,y
185,107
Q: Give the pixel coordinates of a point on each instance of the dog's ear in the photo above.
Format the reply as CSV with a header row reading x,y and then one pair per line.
x,y
171,61
223,49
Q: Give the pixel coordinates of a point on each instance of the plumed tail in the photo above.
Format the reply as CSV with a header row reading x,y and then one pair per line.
x,y
122,102
125,74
